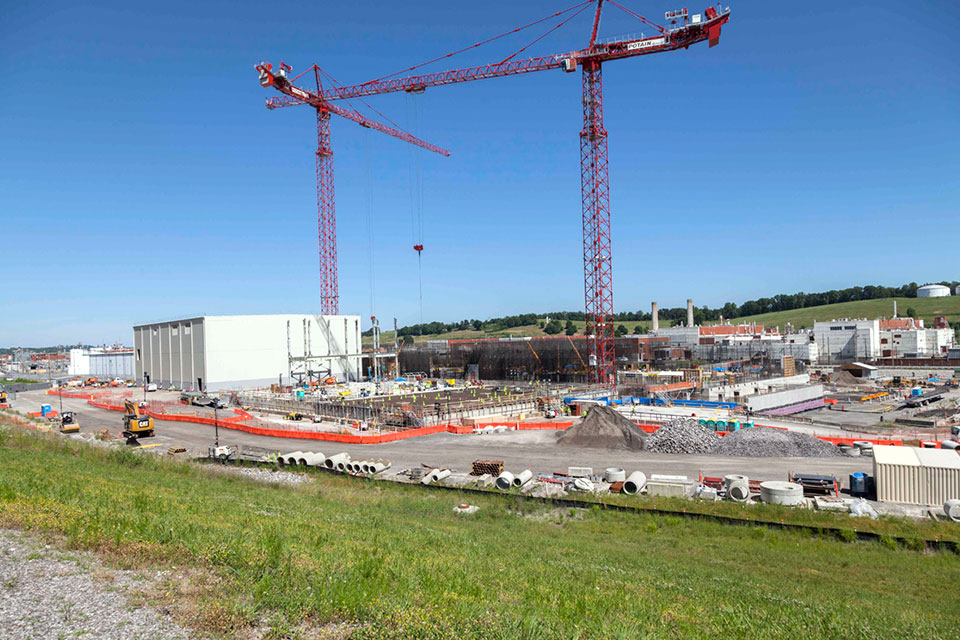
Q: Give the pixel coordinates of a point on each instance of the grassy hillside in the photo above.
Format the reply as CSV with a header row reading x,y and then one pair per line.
x,y
343,558
926,309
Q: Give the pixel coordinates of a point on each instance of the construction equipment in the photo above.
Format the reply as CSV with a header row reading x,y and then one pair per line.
x,y
684,31
3,396
69,423
135,424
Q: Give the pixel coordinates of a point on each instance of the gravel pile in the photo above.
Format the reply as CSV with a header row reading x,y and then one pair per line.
x,y
46,594
682,435
262,475
773,443
604,428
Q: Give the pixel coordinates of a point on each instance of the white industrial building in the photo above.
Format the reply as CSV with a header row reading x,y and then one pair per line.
x,y
915,343
219,352
933,291
847,339
102,362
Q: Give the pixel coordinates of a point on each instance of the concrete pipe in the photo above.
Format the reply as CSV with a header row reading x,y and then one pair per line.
x,y
733,477
379,466
949,444
952,509
614,474
777,492
849,450
634,483
435,476
311,459
505,481
364,467
333,462
291,459
523,478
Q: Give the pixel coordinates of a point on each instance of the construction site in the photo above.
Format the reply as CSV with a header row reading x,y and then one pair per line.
x,y
268,384
733,420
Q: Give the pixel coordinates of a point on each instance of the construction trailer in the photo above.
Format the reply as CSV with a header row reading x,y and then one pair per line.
x,y
210,353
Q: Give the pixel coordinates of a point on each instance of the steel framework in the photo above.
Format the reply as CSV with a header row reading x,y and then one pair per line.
x,y
597,248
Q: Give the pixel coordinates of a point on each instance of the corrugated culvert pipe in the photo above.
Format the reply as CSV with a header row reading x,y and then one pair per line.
x,y
634,483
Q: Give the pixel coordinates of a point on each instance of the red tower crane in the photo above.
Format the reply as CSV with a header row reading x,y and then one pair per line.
x,y
685,30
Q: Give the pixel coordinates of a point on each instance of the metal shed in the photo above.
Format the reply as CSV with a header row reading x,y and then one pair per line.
x,y
910,475
896,471
940,473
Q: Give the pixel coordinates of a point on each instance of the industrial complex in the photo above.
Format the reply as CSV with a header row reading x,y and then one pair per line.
x,y
747,416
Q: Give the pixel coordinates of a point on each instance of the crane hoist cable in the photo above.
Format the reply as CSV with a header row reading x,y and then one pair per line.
x,y
416,196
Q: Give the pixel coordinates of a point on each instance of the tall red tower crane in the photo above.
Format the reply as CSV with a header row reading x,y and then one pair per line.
x,y
685,29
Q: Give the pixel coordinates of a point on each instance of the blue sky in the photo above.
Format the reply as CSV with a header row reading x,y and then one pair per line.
x,y
141,177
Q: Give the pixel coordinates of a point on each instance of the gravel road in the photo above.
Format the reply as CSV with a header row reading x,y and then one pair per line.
x,y
48,593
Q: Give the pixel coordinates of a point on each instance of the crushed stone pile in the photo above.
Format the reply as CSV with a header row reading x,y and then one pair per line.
x,y
682,435
604,428
773,443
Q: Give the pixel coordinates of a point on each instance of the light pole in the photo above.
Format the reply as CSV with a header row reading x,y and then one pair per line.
x,y
216,428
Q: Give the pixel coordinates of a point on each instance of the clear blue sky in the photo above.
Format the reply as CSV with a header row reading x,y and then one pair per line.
x,y
141,177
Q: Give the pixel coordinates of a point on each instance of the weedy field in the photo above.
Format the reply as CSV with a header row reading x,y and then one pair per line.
x,y
337,557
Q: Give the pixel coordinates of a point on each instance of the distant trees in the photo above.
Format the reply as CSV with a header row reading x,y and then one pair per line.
x,y
677,315
553,327
570,329
620,331
911,312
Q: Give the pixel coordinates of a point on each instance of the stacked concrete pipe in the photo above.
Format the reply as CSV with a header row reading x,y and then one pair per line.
x,y
634,483
738,487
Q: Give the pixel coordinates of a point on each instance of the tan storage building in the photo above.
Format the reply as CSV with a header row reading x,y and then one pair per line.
x,y
910,475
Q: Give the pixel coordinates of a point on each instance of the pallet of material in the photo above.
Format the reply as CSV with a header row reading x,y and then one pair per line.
x,y
493,467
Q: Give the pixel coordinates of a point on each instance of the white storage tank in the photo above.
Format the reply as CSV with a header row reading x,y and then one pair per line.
x,y
933,291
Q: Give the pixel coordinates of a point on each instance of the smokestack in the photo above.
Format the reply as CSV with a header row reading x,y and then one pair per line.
x,y
689,312
894,308
655,314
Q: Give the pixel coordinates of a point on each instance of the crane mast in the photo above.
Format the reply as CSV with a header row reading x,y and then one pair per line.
x,y
594,168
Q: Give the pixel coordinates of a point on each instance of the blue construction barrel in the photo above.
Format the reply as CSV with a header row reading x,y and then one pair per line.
x,y
858,484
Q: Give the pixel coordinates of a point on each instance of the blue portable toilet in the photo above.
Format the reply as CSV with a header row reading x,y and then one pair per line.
x,y
45,409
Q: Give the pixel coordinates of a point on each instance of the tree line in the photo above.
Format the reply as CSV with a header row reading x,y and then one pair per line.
x,y
562,321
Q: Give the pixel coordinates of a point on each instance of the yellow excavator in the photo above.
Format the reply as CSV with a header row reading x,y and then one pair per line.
x,y
135,425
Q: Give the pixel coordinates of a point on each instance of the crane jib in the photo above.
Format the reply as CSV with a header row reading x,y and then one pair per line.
x,y
643,44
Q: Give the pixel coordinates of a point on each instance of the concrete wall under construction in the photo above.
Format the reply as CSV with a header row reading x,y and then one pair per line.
x,y
220,352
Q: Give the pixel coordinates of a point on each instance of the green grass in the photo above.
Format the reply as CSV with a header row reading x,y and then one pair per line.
x,y
18,381
926,309
393,561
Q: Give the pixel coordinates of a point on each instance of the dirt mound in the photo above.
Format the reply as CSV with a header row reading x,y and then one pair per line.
x,y
604,428
846,379
773,443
